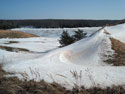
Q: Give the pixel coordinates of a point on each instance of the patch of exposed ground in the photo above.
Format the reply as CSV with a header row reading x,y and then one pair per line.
x,y
2,72
14,34
118,46
14,49
11,42
12,85
118,59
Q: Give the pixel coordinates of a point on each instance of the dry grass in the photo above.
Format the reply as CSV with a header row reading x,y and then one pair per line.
x,y
14,34
13,85
14,49
118,59
2,72
118,46
11,42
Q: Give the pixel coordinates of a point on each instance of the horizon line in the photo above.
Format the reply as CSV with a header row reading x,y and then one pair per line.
x,y
60,19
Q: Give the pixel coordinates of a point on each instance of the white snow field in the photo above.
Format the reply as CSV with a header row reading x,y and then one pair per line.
x,y
55,32
84,58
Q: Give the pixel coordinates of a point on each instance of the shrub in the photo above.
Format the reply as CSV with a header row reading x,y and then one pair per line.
x,y
66,39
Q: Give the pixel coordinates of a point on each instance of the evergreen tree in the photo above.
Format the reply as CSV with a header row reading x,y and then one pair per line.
x,y
66,39
79,34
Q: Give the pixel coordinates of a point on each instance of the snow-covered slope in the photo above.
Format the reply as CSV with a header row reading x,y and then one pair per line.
x,y
55,32
84,57
118,32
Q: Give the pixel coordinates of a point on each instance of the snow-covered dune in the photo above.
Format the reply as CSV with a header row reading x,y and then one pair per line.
x,y
84,57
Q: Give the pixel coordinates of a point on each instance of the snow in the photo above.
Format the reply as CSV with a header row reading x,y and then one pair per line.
x,y
41,44
10,57
55,32
118,32
57,64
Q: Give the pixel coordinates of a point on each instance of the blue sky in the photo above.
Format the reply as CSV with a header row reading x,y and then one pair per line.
x,y
62,9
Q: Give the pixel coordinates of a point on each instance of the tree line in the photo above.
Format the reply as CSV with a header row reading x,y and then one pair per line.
x,y
54,23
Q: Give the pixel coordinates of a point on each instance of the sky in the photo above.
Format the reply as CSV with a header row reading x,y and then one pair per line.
x,y
62,9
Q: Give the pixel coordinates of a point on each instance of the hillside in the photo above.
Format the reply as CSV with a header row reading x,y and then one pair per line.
x,y
15,34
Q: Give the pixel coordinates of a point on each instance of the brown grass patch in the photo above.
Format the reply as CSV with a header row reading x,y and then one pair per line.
x,y
2,72
11,42
118,46
14,34
14,49
118,59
